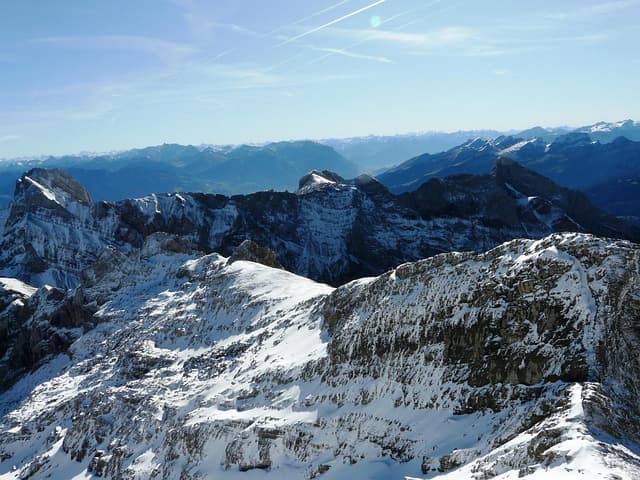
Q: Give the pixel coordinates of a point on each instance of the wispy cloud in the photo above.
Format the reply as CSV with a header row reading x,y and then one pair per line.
x,y
603,8
444,36
9,138
235,28
346,53
163,49
332,22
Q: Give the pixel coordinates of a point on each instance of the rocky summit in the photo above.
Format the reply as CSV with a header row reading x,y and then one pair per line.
x,y
169,363
331,230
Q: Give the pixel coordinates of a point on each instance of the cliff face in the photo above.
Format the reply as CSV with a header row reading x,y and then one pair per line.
x,y
521,360
332,230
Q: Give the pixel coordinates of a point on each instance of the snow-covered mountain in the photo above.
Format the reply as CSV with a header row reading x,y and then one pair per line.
x,y
166,363
603,132
332,230
376,153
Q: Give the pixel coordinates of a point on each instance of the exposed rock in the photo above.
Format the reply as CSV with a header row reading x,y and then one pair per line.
x,y
332,230
252,252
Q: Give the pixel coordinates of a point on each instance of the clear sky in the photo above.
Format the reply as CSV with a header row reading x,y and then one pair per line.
x,y
102,75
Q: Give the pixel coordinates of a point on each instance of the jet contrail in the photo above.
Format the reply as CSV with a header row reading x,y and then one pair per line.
x,y
332,22
308,17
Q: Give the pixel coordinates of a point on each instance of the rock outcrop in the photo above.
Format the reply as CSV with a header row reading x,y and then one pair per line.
x,y
252,252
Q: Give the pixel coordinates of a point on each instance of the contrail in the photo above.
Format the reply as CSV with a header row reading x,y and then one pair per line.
x,y
308,17
332,22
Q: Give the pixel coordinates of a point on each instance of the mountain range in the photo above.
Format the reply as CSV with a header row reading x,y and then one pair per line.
x,y
173,168
331,229
573,160
378,153
482,324
244,169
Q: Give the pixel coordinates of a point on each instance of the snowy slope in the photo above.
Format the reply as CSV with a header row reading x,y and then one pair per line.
x,y
520,361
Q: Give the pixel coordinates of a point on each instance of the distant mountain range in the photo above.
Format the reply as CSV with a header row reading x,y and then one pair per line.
x,y
375,153
609,174
606,171
603,132
171,168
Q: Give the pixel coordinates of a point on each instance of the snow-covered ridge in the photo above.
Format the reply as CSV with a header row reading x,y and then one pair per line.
x,y
512,362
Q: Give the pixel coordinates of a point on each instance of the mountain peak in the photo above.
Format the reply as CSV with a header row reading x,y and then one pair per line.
x,y
316,180
54,185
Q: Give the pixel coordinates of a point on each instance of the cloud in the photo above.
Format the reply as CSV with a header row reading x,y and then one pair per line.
x,y
346,53
438,38
332,22
163,49
9,138
603,8
236,28
608,7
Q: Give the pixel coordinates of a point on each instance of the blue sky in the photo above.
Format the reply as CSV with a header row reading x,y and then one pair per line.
x,y
102,75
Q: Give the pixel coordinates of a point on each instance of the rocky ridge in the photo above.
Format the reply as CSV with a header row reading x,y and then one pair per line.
x,y
332,230
520,361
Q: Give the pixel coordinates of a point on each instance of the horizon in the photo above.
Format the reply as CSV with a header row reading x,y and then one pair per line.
x,y
512,132
84,78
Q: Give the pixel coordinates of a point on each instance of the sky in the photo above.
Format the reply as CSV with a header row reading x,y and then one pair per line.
x,y
90,75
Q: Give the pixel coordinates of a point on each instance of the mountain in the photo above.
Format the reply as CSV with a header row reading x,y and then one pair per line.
x,y
543,133
572,160
606,132
374,153
170,168
331,230
377,153
165,363
603,132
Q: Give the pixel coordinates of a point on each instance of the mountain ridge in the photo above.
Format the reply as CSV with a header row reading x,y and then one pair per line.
x,y
437,368
572,160
333,230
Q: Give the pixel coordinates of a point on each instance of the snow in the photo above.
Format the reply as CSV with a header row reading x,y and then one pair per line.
x,y
197,360
13,285
516,147
45,191
313,182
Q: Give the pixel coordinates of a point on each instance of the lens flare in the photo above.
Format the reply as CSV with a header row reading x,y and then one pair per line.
x,y
375,21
